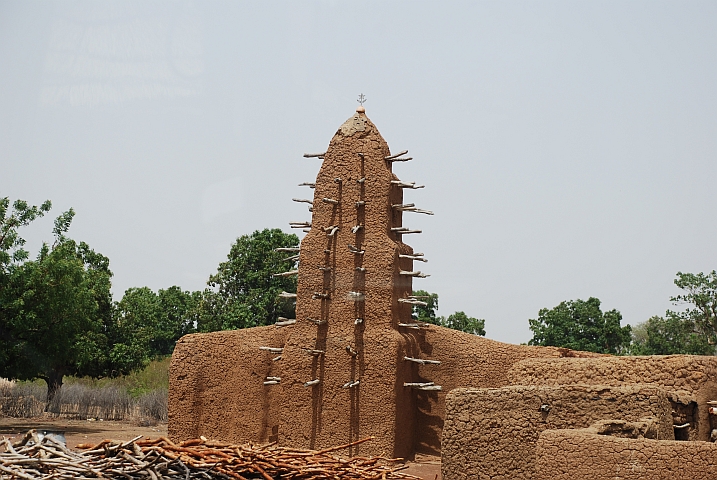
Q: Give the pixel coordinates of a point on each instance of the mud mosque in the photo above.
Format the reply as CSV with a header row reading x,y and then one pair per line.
x,y
353,363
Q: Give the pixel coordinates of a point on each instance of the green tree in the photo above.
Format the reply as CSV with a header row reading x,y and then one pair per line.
x,y
668,335
700,292
580,325
426,313
245,292
464,323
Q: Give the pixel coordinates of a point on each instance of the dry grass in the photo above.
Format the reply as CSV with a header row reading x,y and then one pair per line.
x,y
140,397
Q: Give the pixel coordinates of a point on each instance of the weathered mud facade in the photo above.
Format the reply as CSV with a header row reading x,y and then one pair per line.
x,y
340,372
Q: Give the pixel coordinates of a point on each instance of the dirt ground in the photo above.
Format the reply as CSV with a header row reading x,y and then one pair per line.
x,y
93,432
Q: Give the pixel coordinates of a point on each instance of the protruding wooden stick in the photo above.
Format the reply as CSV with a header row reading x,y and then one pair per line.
x,y
314,155
361,180
360,203
300,225
325,269
287,295
358,321
413,274
303,200
391,157
308,184
351,351
287,249
271,382
338,180
313,352
306,230
293,257
286,274
415,326
356,296
312,383
399,159
414,257
330,231
410,207
412,301
330,200
418,384
422,361
272,349
351,384
285,322
360,269
355,250
429,386
276,359
401,206
401,184
402,230
356,228
316,322
319,295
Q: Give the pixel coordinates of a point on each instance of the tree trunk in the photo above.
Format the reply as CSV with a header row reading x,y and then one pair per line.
x,y
54,383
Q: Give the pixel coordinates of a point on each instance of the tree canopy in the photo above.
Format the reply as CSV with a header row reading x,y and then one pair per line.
x,y
245,291
456,321
580,325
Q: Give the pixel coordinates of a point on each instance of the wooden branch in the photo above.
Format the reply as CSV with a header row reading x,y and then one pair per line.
x,y
356,228
319,295
391,157
308,184
360,269
355,250
356,296
401,184
412,301
358,321
351,384
415,326
325,269
314,155
422,361
316,322
312,383
276,359
360,203
413,274
271,382
401,206
411,208
406,231
292,258
351,351
286,274
338,180
272,349
399,159
313,352
414,257
287,249
330,200
285,322
330,231
303,200
429,386
287,295
361,180
418,384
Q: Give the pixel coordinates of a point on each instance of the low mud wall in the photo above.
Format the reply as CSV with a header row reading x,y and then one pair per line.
x,y
692,379
493,433
585,455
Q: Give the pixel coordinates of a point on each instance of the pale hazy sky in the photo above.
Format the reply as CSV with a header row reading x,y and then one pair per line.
x,y
569,149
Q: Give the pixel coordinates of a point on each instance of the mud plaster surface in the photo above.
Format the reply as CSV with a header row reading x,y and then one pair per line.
x,y
493,433
584,455
687,377
216,380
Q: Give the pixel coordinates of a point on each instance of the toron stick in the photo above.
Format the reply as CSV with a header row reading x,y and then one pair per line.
x,y
272,349
318,295
351,351
413,274
361,180
325,269
276,359
422,361
316,322
285,323
413,257
358,321
401,184
356,228
356,296
314,155
416,384
308,184
312,383
416,326
293,257
360,269
330,231
360,203
287,295
412,301
286,274
351,384
330,200
403,205
399,159
287,249
313,352
271,382
391,157
303,200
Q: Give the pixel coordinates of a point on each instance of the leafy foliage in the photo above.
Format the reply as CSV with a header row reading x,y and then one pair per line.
x,y
581,325
457,321
701,293
464,323
245,293
668,335
426,313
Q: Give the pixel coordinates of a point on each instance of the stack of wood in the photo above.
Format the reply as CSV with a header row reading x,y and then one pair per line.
x,y
34,457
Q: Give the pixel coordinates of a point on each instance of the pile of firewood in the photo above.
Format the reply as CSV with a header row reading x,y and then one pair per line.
x,y
34,457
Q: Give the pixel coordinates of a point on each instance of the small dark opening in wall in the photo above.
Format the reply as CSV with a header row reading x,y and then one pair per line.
x,y
682,433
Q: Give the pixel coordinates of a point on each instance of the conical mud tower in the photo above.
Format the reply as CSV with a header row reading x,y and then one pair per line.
x,y
352,364
354,297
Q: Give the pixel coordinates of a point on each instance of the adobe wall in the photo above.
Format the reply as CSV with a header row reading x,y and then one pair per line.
x,y
216,385
492,433
585,455
692,379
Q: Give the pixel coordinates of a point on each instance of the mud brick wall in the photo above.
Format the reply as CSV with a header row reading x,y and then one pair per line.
x,y
493,433
694,375
584,455
217,385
